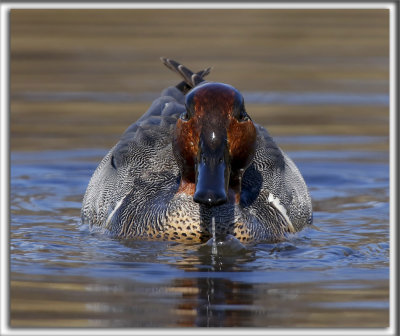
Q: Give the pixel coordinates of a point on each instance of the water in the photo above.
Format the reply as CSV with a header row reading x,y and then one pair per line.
x,y
64,275
317,79
214,249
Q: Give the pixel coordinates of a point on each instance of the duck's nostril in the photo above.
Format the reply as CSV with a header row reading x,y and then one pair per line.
x,y
209,198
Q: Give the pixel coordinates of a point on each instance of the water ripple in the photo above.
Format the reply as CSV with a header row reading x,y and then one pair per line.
x,y
287,98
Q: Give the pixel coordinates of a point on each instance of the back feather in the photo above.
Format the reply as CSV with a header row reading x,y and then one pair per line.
x,y
190,79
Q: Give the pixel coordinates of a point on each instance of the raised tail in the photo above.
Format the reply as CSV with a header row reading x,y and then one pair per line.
x,y
190,79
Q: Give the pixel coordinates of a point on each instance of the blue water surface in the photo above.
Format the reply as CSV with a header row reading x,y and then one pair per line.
x,y
341,263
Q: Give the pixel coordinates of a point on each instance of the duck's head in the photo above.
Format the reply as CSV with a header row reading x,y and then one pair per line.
x,y
214,142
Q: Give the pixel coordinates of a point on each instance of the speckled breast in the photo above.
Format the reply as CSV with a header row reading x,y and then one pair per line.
x,y
188,222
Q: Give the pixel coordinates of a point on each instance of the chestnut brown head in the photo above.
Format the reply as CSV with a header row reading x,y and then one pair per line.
x,y
214,141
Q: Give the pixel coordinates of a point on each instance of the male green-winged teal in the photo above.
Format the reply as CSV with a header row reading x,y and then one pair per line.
x,y
196,157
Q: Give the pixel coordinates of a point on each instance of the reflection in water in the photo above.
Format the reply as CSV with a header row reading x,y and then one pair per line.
x,y
211,301
220,301
210,298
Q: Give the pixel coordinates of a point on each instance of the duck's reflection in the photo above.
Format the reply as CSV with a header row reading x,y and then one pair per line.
x,y
209,297
209,292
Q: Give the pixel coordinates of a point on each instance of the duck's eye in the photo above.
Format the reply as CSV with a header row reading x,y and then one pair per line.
x,y
243,116
185,116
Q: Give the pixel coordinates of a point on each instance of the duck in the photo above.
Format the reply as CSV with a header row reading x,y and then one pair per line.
x,y
196,166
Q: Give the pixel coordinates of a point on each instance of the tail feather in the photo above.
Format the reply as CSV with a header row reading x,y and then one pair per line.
x,y
190,79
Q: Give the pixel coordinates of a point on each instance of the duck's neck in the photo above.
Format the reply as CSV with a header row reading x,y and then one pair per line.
x,y
189,188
